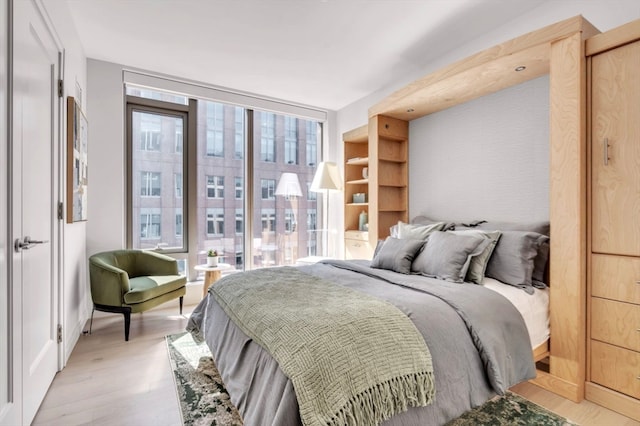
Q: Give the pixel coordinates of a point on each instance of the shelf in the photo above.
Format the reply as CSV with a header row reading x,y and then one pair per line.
x,y
357,204
393,160
358,182
358,161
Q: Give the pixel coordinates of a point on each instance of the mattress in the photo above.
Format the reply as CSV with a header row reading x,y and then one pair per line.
x,y
534,308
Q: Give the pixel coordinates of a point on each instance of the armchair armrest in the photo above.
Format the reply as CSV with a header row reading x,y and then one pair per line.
x,y
152,263
108,283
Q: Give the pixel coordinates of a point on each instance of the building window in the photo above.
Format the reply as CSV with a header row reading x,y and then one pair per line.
x,y
239,137
239,221
312,220
215,221
179,230
239,188
150,220
268,137
311,196
150,184
268,220
215,129
312,143
289,221
268,188
179,137
178,184
215,186
150,132
290,140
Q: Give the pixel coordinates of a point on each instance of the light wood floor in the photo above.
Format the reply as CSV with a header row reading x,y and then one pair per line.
x,y
108,381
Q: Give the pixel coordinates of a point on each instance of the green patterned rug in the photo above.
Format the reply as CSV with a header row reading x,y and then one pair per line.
x,y
204,400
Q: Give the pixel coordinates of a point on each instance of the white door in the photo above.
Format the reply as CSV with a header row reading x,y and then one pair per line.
x,y
35,142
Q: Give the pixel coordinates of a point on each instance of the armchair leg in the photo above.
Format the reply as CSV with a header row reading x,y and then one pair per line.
x,y
91,322
127,323
181,300
124,310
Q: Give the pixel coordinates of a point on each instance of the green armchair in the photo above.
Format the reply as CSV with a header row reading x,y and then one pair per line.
x,y
131,281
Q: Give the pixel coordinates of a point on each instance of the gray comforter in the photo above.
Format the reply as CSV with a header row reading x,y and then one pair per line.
x,y
478,342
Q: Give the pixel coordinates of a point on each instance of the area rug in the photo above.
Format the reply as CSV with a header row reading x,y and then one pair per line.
x,y
205,401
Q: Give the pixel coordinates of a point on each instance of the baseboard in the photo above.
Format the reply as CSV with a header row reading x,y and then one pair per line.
x,y
558,386
612,400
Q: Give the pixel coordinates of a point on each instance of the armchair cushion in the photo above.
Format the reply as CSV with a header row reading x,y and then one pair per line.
x,y
145,288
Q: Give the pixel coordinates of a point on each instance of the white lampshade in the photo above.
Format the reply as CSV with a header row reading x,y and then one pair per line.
x,y
289,185
327,177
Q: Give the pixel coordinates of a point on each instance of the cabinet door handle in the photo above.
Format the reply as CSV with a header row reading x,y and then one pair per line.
x,y
606,151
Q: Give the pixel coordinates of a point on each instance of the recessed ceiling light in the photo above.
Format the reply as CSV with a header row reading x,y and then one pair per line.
x,y
520,68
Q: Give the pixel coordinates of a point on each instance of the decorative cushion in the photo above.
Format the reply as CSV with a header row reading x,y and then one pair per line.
x,y
396,254
424,220
478,264
447,256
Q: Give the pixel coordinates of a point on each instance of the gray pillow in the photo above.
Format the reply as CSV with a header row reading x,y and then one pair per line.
x,y
423,220
540,264
478,264
447,256
539,227
396,255
417,232
512,260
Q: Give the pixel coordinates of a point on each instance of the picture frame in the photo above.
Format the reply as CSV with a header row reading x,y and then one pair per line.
x,y
77,162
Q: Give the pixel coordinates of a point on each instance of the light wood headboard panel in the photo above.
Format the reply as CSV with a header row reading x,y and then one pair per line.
x,y
557,50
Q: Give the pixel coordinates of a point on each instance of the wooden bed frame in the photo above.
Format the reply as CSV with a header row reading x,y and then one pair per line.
x,y
557,50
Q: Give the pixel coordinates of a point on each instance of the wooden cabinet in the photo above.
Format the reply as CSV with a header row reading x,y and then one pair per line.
x,y
614,305
382,149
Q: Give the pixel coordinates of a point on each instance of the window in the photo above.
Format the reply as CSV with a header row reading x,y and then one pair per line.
x,y
215,186
267,137
150,184
150,220
290,140
312,142
156,186
208,139
179,229
239,188
268,220
179,137
311,220
289,221
268,188
150,132
178,184
239,137
239,221
311,196
215,129
215,221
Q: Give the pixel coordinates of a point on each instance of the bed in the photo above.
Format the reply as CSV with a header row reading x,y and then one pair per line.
x,y
481,338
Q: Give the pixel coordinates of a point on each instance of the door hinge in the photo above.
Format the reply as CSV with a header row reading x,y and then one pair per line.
x,y
60,88
59,333
60,206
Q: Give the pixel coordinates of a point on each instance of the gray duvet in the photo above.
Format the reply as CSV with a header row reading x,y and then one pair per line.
x,y
478,342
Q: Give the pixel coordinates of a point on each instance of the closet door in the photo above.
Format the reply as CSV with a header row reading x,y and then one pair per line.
x,y
616,151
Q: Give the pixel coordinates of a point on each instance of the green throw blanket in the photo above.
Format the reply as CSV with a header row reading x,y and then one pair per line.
x,y
353,359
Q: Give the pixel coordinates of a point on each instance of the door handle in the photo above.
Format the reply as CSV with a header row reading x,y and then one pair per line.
x,y
27,243
606,151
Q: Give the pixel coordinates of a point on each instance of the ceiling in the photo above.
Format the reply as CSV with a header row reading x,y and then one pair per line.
x,y
321,53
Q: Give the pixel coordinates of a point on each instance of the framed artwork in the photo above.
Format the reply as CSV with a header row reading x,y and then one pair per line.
x,y
77,167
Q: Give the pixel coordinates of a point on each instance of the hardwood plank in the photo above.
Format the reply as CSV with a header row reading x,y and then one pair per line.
x,y
626,33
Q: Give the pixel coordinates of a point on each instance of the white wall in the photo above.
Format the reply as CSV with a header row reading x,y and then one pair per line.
x,y
76,297
485,159
604,14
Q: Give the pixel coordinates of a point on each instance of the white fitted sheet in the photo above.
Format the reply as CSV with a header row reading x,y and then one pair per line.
x,y
533,307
